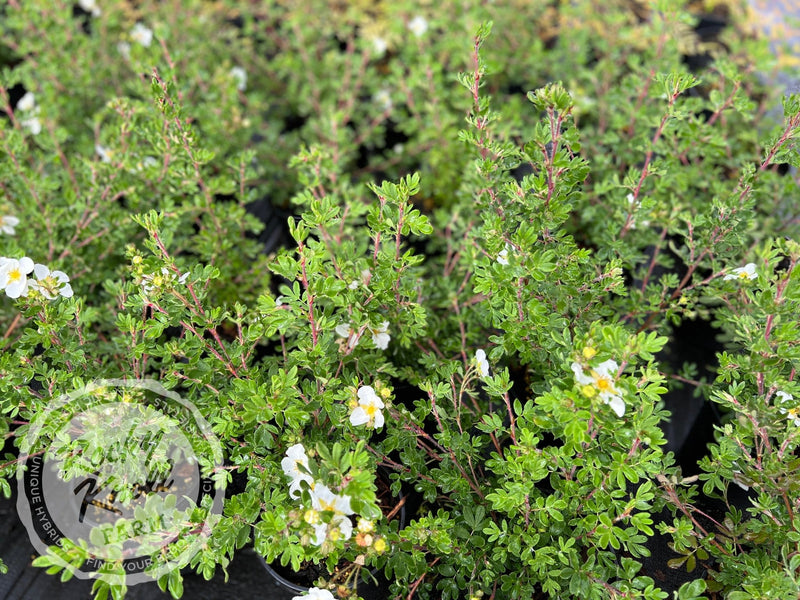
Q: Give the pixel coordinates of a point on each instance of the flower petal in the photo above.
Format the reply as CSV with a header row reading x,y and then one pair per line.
x,y
617,405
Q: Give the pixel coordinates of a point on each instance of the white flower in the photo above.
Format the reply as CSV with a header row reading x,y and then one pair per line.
x,y
483,364
296,485
148,162
379,45
142,34
14,275
380,337
340,527
365,525
418,25
322,498
90,6
368,412
502,256
346,331
29,120
352,285
793,414
600,381
104,153
32,124
383,98
315,593
27,102
240,75
50,284
295,459
153,281
746,272
7,224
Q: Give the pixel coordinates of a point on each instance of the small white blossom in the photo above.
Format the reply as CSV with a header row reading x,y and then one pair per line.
x,y
7,224
315,593
365,525
381,337
340,528
152,281
483,364
28,109
103,152
240,76
368,412
90,6
142,34
792,414
352,285
418,25
14,275
32,124
323,499
147,162
346,331
746,272
50,284
295,466
295,458
379,45
502,256
383,98
600,381
635,205
27,102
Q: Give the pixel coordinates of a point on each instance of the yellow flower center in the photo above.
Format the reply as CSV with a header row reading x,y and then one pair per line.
x,y
371,410
602,383
14,275
744,275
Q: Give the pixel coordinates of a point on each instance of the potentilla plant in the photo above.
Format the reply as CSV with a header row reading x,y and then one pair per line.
x,y
470,317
